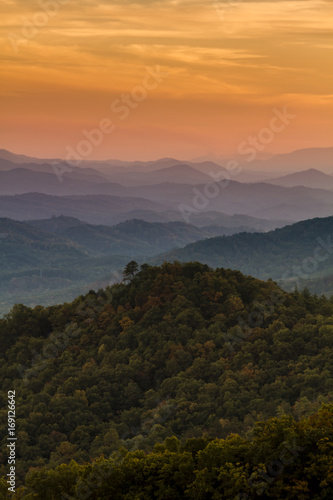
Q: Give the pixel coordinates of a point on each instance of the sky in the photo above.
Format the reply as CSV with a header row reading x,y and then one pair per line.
x,y
171,78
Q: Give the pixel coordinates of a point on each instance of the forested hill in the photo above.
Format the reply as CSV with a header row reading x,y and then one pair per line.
x,y
301,250
177,350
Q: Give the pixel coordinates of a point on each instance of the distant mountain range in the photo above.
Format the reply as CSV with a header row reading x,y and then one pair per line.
x,y
73,227
25,180
127,171
110,210
301,159
260,200
130,237
44,261
179,173
49,260
167,202
158,191
62,237
100,209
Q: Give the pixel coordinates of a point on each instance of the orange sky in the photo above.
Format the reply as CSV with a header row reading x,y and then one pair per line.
x,y
228,63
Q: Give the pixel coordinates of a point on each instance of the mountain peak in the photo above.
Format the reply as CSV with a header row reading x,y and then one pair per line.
x,y
311,177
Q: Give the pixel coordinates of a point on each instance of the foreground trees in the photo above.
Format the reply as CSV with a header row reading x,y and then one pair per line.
x,y
280,459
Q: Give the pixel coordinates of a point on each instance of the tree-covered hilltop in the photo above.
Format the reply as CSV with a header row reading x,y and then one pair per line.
x,y
178,350
279,459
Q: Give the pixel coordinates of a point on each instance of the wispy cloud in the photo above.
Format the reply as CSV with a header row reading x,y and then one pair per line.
x,y
262,49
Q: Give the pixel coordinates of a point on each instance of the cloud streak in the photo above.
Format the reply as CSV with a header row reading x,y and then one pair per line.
x,y
262,51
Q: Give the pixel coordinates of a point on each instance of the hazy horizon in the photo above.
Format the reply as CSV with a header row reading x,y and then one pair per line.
x,y
209,156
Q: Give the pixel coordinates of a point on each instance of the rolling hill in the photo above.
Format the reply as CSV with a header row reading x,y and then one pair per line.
x,y
23,246
293,254
37,266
